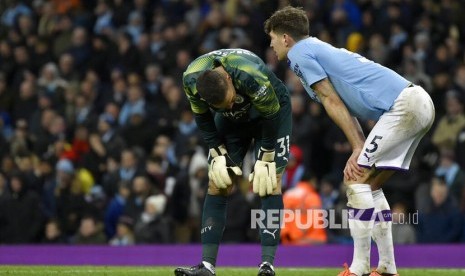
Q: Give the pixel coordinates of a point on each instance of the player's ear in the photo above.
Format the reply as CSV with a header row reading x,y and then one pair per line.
x,y
287,39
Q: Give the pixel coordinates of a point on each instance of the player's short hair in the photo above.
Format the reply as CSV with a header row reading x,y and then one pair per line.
x,y
212,87
289,20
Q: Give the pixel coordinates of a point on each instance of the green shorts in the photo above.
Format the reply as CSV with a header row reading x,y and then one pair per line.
x,y
239,136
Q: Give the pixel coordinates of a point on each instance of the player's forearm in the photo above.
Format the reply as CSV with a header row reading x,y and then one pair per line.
x,y
349,125
270,132
206,125
338,112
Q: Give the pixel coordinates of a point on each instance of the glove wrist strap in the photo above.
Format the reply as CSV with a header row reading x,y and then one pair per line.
x,y
266,155
218,151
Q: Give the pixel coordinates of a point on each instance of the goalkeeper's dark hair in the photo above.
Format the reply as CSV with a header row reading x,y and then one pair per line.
x,y
212,87
289,20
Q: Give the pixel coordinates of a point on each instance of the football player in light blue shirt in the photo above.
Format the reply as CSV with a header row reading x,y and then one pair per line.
x,y
349,86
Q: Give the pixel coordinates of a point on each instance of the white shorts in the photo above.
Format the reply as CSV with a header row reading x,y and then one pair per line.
x,y
395,137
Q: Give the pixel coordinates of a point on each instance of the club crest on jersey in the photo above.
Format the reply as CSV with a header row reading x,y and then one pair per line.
x,y
239,99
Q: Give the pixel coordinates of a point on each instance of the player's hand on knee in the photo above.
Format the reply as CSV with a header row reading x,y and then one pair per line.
x,y
352,170
220,166
263,177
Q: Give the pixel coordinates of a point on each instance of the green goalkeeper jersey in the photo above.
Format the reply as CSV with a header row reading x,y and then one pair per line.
x,y
260,93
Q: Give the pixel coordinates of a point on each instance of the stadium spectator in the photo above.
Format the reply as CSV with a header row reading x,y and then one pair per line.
x,y
152,84
124,232
26,103
453,174
90,232
138,132
152,226
177,207
115,208
53,234
450,124
20,217
301,125
127,171
295,168
305,202
187,135
442,223
3,187
339,146
6,95
135,105
141,189
402,231
329,192
198,182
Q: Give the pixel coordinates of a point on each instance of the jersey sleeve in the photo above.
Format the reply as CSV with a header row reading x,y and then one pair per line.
x,y
306,66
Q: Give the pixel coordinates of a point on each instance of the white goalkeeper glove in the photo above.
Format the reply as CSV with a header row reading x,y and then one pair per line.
x,y
263,176
220,167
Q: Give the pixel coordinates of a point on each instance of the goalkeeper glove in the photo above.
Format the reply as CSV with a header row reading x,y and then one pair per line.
x,y
220,166
264,175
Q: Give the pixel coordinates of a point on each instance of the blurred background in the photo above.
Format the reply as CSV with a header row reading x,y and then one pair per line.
x,y
98,144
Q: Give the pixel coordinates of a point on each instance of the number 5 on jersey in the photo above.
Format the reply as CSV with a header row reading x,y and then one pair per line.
x,y
375,145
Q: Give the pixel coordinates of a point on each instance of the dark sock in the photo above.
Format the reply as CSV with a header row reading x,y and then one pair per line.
x,y
213,222
269,236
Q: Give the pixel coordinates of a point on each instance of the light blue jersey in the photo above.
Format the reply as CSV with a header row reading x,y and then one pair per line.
x,y
366,88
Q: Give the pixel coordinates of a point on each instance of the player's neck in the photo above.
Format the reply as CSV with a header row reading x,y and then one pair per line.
x,y
292,42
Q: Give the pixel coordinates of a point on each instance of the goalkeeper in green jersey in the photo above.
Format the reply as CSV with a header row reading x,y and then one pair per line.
x,y
236,99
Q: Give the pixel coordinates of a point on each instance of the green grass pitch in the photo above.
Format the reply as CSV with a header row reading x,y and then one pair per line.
x,y
133,270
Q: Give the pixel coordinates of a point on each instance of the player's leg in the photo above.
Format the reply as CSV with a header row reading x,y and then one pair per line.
x,y
392,143
360,209
366,202
382,229
273,204
237,142
214,211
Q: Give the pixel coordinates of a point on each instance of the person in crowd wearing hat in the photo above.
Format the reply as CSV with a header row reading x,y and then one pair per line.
x,y
152,226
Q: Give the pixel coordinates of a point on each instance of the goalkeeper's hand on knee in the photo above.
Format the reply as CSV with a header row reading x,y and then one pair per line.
x,y
263,176
220,166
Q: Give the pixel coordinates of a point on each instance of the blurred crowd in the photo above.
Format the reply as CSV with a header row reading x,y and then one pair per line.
x,y
98,144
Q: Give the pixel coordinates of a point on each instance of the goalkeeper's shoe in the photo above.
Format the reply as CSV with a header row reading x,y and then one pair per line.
x,y
266,269
198,270
376,273
346,272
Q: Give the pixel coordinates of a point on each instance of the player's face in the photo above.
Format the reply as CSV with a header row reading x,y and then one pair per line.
x,y
278,45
